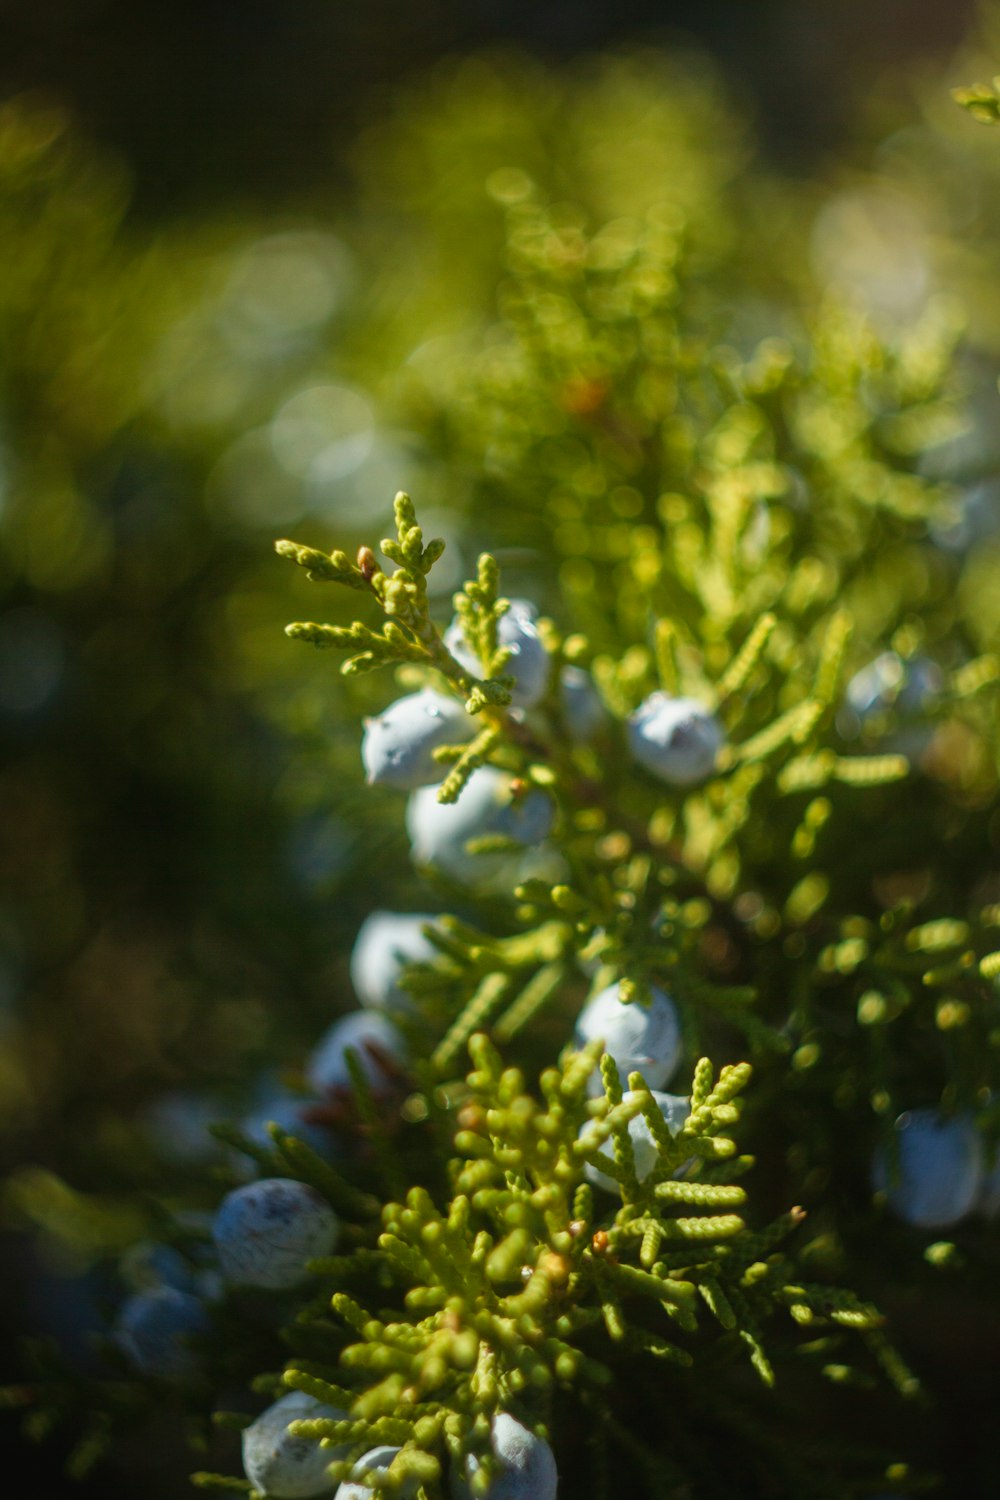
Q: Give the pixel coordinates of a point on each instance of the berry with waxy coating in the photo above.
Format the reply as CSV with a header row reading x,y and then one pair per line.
x,y
399,743
154,1328
874,688
440,832
641,1038
674,1110
266,1232
361,1031
386,942
891,687
528,1465
287,1467
375,1458
529,663
676,739
890,682
583,713
940,1169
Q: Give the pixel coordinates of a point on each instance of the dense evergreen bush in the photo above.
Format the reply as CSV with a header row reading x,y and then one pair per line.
x,y
710,779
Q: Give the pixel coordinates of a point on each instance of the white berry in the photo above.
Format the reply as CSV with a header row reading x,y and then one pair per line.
x,y
287,1467
645,1152
940,1169
267,1231
367,1033
583,713
386,942
529,663
890,682
440,832
874,687
378,1459
528,1465
641,1038
676,739
399,743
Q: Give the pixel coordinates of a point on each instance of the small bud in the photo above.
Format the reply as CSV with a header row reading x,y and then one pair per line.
x,y
555,1267
368,563
472,1117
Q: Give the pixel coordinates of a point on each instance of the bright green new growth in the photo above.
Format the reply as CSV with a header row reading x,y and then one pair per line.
x,y
639,860
982,100
518,1286
408,635
479,609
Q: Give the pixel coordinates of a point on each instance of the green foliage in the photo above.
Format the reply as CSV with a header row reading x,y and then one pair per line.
x,y
982,100
729,474
522,1288
521,1285
409,634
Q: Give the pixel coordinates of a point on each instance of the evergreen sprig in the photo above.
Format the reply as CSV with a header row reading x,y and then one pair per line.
x,y
982,100
409,634
502,1293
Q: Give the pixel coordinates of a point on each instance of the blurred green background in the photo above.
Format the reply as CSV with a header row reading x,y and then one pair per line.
x,y
243,245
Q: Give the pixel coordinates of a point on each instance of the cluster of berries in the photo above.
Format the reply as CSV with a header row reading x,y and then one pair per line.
x,y
289,1467
676,739
265,1234
266,1231
934,1173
